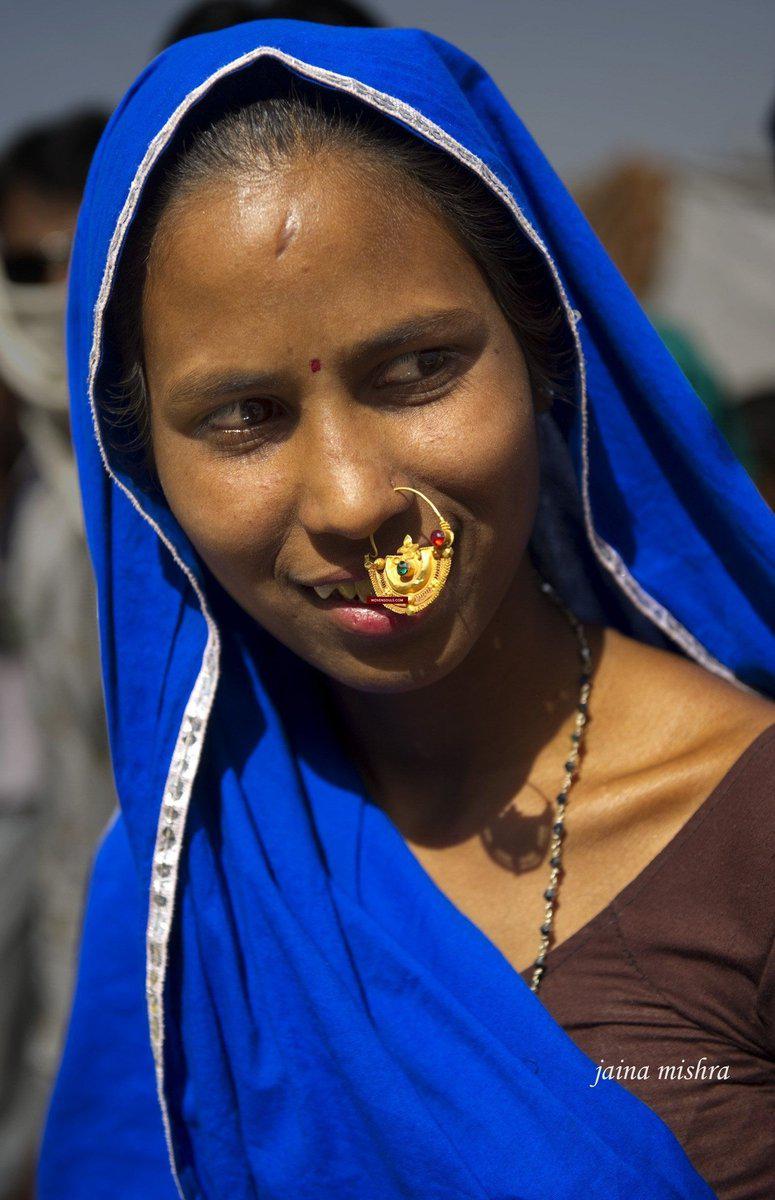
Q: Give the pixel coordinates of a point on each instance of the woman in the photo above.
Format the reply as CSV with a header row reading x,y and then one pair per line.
x,y
316,267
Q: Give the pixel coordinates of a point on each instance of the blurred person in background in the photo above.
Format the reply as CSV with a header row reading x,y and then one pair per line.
x,y
19,794
50,604
696,243
630,207
757,406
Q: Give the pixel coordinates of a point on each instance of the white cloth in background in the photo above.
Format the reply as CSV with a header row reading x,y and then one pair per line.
x,y
716,277
52,592
32,342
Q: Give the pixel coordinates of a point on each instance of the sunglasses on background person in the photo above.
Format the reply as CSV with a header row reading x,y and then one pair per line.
x,y
43,263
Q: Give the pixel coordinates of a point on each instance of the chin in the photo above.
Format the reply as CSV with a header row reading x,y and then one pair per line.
x,y
386,682
400,669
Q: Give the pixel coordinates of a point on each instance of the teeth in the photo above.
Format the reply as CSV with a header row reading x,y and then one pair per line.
x,y
361,588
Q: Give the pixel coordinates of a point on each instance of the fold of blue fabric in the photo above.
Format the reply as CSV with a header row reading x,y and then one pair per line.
x,y
319,1022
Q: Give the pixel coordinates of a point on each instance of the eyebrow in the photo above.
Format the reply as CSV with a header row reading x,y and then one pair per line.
x,y
418,327
219,385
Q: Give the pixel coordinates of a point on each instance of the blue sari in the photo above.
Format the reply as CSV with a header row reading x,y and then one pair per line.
x,y
274,1000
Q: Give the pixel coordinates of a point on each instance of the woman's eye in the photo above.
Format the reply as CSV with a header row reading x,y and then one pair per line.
x,y
239,419
417,367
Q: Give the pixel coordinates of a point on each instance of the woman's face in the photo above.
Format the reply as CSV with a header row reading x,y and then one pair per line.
x,y
310,343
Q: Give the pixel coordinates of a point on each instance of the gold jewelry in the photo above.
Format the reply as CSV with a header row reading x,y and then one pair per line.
x,y
414,576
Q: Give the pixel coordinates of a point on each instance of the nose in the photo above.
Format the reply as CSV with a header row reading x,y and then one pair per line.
x,y
345,487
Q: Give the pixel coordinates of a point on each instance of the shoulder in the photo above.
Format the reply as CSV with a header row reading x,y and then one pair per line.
x,y
669,718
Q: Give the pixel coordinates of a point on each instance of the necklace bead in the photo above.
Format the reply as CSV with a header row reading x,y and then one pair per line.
x,y
571,764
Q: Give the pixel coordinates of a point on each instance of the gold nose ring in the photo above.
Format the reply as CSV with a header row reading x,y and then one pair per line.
x,y
413,577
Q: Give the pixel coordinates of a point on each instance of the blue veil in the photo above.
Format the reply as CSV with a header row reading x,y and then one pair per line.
x,y
274,1000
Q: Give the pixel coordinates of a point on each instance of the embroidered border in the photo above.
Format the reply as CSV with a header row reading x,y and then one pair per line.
x,y
187,752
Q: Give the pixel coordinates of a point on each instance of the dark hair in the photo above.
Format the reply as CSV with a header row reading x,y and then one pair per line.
x,y
211,15
53,158
264,136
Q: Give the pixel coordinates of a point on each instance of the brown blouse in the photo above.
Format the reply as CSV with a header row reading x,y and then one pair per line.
x,y
677,975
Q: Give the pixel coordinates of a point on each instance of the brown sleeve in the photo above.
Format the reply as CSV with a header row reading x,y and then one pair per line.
x,y
702,931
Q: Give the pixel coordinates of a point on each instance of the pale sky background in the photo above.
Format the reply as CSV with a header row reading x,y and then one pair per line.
x,y
686,78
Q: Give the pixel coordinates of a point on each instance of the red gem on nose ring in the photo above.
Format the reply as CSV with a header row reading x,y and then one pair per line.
x,y
438,537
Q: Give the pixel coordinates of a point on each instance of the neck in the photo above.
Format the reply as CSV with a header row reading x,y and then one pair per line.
x,y
439,758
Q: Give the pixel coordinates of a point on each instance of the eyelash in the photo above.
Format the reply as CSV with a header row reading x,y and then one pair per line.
x,y
449,359
235,435
427,387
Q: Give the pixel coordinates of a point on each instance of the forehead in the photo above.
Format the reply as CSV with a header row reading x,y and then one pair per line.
x,y
315,243
313,206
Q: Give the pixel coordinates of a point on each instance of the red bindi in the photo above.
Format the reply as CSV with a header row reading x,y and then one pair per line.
x,y
314,365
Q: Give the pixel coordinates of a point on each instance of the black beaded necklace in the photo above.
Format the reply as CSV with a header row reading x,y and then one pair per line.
x,y
571,764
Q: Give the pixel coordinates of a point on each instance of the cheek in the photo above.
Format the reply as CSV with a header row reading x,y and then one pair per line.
x,y
487,461
483,450
231,513
493,453
498,471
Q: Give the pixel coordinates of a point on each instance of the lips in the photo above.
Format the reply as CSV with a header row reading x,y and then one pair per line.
x,y
344,603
